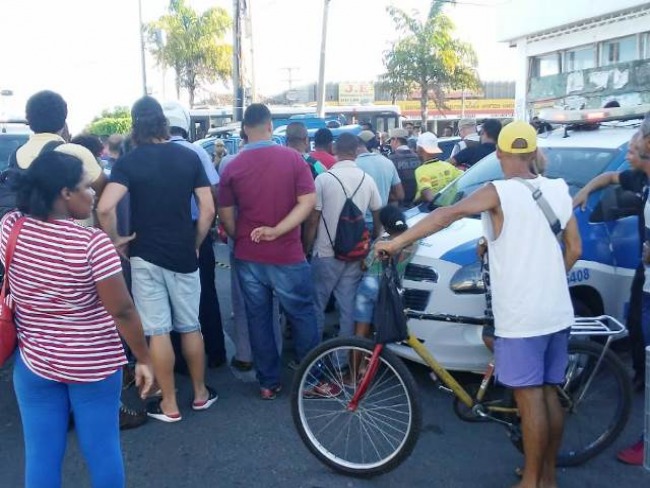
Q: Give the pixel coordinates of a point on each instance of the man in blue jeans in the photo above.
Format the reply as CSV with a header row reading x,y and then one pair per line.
x,y
273,190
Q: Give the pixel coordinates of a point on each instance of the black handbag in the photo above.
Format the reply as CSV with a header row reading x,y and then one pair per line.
x,y
390,318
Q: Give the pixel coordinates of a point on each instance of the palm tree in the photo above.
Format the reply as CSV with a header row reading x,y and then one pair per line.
x,y
429,57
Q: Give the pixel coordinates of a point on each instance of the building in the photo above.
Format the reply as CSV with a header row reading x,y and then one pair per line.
x,y
578,54
494,99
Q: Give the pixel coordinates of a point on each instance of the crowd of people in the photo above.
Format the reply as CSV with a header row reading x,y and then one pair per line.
x,y
127,229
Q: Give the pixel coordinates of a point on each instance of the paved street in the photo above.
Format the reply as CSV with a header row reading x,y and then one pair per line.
x,y
243,441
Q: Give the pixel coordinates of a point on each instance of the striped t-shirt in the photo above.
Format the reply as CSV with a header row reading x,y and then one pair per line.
x,y
64,332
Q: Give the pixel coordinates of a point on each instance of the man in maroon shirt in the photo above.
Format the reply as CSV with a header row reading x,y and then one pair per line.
x,y
273,190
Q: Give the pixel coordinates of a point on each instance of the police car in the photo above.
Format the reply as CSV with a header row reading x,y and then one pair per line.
x,y
443,284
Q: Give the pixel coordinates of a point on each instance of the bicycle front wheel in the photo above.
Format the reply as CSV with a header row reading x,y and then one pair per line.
x,y
377,435
597,398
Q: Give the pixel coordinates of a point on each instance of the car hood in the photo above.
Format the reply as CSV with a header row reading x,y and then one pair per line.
x,y
456,243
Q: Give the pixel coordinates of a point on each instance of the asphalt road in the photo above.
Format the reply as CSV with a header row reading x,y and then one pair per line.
x,y
245,442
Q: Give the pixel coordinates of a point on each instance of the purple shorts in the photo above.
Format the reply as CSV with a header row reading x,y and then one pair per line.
x,y
532,361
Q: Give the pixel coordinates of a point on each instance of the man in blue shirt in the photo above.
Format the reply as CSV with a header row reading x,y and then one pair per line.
x,y
383,172
209,312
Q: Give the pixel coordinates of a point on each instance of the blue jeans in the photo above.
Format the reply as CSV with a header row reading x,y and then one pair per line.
x,y
645,318
293,285
45,409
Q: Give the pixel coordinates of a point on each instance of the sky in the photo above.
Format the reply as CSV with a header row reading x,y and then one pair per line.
x,y
89,50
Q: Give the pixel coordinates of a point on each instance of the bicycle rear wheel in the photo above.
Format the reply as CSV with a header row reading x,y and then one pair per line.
x,y
371,439
597,399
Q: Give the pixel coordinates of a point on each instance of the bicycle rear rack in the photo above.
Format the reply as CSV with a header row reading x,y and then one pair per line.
x,y
602,326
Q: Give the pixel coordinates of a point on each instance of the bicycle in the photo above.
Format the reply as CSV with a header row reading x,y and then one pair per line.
x,y
381,416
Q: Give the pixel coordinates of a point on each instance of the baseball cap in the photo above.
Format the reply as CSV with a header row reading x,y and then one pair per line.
x,y
402,133
518,137
366,135
467,123
177,115
429,142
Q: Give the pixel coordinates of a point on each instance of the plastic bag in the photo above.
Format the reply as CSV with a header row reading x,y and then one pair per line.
x,y
390,319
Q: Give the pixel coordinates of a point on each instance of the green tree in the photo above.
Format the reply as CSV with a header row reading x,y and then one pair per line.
x,y
192,45
429,57
394,81
111,121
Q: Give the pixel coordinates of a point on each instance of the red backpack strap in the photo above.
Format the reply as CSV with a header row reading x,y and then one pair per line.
x,y
9,254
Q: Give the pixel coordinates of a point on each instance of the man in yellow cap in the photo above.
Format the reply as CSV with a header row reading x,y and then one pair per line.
x,y
530,296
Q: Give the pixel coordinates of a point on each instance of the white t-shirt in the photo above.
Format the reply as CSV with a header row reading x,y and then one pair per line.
x,y
530,293
330,200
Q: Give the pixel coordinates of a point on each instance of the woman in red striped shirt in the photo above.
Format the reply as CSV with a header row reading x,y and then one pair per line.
x,y
69,294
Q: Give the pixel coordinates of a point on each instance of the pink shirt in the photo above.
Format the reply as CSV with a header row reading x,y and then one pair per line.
x,y
264,182
64,332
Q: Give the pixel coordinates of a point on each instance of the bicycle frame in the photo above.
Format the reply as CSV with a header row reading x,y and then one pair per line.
x,y
603,325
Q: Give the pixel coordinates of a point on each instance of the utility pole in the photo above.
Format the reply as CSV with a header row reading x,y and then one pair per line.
x,y
320,108
238,95
290,79
142,53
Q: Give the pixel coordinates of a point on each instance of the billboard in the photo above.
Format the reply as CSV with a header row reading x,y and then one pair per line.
x,y
356,93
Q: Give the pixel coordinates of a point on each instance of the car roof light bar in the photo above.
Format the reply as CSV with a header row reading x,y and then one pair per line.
x,y
586,116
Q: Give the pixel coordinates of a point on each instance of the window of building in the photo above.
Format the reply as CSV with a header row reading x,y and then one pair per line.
x,y
579,58
619,50
546,65
645,45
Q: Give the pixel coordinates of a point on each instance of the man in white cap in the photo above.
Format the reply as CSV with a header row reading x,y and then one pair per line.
x,y
433,175
468,134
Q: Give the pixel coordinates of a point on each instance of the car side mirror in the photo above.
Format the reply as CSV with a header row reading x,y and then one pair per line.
x,y
615,204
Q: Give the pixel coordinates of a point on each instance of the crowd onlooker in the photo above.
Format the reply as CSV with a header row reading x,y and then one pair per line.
x,y
264,221
432,175
323,147
69,295
344,181
164,248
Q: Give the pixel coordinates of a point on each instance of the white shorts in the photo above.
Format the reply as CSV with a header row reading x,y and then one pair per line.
x,y
165,300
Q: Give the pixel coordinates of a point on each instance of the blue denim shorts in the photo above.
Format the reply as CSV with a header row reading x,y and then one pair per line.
x,y
364,304
532,361
165,300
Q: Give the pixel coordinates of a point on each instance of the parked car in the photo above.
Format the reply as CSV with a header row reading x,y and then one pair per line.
x,y
443,283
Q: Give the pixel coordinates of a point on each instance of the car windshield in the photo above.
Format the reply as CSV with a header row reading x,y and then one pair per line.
x,y
577,166
8,145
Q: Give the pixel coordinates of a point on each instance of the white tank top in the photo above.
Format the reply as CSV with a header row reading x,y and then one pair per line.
x,y
530,292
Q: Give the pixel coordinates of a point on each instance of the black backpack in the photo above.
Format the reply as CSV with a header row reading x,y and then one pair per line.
x,y
8,179
352,240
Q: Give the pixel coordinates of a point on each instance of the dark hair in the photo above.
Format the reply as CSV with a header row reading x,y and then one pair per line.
x,y
256,114
149,121
323,137
393,219
492,128
347,144
368,124
409,123
40,186
178,131
90,142
243,136
612,104
46,112
296,132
